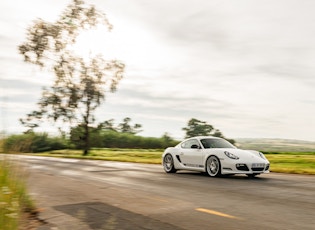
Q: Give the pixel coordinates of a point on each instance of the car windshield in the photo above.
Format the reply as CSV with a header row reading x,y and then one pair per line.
x,y
216,143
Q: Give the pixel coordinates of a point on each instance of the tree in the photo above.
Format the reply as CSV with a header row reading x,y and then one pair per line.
x,y
107,125
197,128
218,133
79,86
125,127
201,128
167,138
168,141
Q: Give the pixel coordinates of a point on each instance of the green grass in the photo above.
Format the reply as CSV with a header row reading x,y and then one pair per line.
x,y
300,163
288,162
150,156
14,200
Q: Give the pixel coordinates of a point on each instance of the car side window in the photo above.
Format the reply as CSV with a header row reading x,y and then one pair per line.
x,y
184,145
189,143
206,143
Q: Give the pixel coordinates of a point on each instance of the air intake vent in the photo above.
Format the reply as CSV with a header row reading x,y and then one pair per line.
x,y
242,167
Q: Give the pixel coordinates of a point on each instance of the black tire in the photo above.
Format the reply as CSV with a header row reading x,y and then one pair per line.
x,y
168,164
213,166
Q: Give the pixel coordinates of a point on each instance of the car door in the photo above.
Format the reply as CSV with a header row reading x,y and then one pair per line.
x,y
191,153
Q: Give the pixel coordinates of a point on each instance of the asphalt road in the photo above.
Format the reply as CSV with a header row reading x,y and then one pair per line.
x,y
83,194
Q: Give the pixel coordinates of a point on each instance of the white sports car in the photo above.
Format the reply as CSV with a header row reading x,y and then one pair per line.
x,y
215,156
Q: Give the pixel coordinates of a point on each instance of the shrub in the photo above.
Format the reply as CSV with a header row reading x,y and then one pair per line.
x,y
113,139
33,142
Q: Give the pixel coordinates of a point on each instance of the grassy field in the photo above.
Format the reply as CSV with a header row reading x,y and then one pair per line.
x,y
14,201
300,163
151,156
289,162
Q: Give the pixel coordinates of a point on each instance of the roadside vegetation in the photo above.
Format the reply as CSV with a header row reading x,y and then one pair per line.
x,y
15,205
292,162
150,156
112,145
31,142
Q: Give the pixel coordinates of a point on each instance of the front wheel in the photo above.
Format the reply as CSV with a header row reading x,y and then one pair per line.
x,y
213,166
168,164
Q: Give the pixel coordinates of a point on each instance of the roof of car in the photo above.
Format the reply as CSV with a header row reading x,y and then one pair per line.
x,y
204,137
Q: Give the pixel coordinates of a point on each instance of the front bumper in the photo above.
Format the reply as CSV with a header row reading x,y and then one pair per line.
x,y
246,168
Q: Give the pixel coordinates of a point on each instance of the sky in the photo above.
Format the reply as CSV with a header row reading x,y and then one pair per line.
x,y
246,67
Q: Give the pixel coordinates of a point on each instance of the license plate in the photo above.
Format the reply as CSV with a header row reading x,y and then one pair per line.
x,y
258,165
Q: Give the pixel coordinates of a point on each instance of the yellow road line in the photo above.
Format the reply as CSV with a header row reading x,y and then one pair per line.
x,y
217,213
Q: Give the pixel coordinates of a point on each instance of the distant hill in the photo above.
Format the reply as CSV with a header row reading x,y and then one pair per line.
x,y
276,145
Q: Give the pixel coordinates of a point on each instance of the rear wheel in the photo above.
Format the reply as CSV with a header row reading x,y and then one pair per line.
x,y
213,166
168,164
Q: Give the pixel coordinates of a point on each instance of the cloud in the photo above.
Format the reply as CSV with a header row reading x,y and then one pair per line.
x,y
245,67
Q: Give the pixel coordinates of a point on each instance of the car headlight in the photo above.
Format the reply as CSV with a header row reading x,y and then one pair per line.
x,y
231,155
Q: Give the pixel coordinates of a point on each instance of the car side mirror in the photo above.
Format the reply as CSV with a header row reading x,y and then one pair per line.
x,y
194,147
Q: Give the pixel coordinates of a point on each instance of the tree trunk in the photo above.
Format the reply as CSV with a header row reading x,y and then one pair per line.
x,y
86,147
86,130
